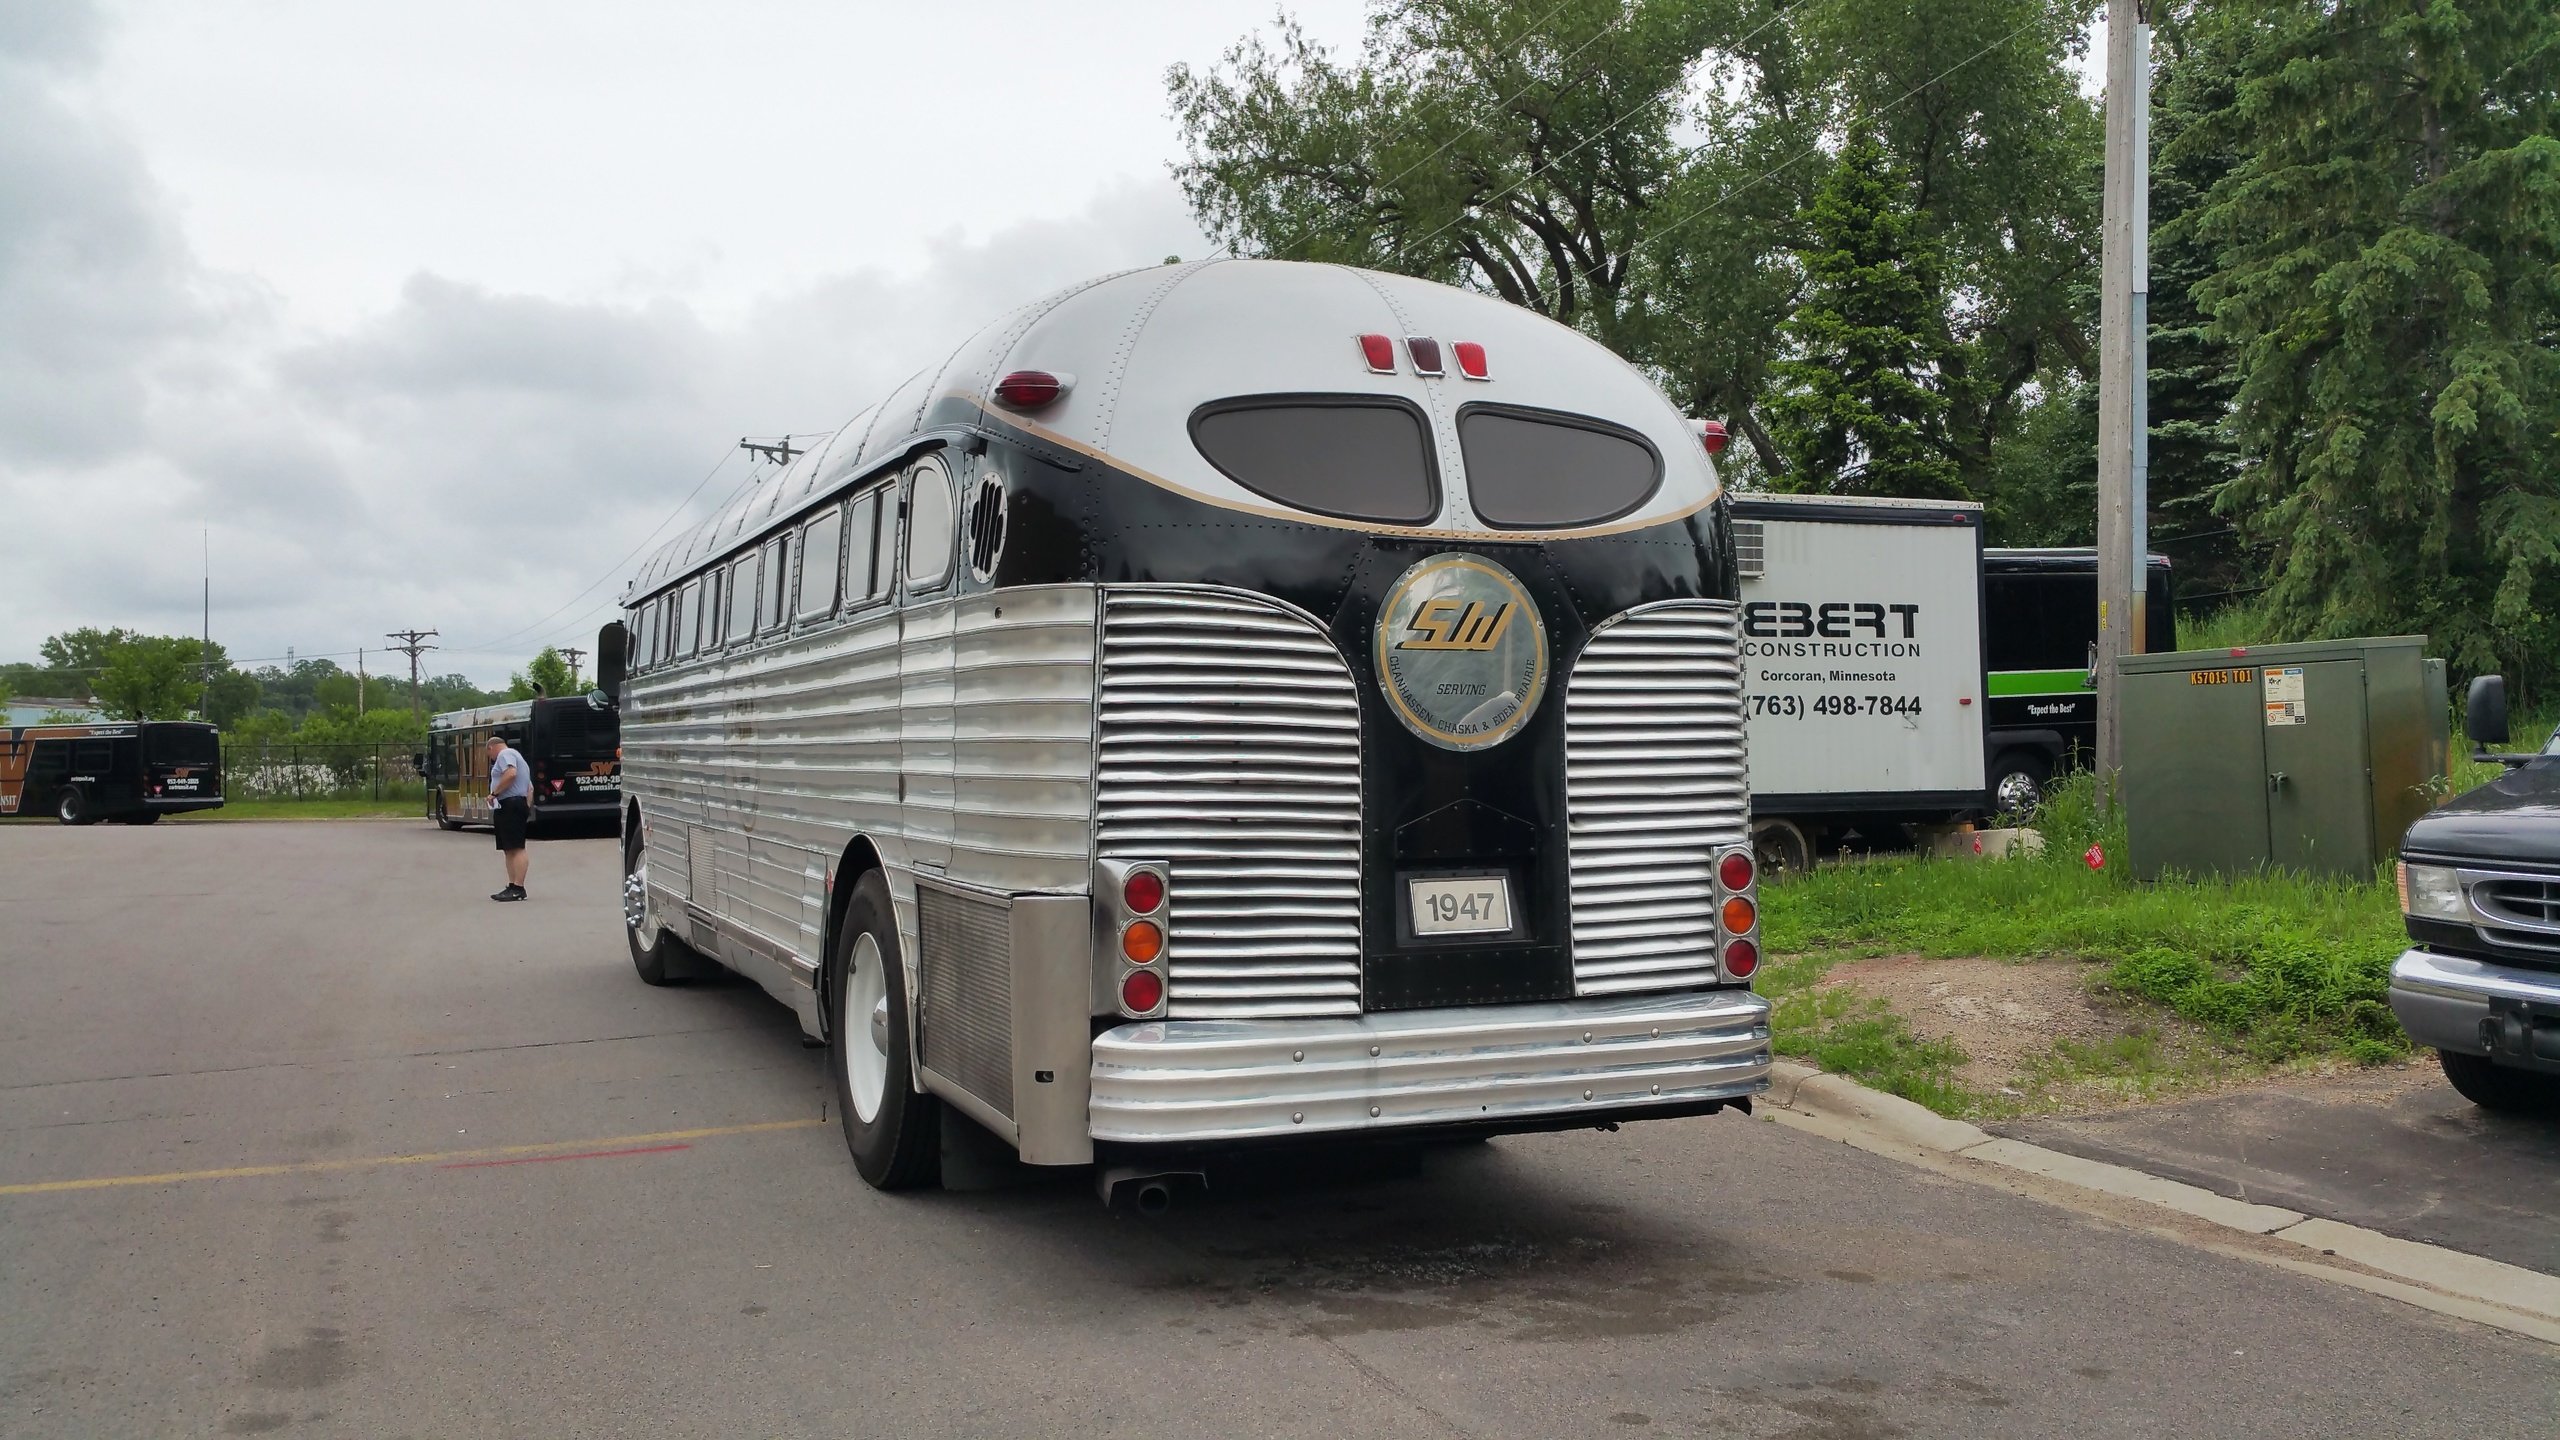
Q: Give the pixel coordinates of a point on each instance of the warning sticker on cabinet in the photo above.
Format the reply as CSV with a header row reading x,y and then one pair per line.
x,y
2285,705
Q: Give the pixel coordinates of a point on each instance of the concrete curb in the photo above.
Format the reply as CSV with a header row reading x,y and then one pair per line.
x,y
2489,1291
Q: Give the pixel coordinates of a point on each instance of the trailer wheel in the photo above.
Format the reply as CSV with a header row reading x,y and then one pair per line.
x,y
74,807
1780,848
444,821
893,1130
2492,1086
654,952
2018,779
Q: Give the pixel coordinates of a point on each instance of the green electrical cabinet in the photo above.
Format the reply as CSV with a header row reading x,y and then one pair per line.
x,y
2309,757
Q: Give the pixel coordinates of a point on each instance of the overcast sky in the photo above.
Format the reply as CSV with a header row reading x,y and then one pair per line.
x,y
431,312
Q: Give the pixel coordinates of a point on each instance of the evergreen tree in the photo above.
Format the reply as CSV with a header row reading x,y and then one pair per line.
x,y
1858,409
2389,255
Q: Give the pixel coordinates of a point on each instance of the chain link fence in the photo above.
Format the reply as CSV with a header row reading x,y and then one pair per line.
x,y
284,770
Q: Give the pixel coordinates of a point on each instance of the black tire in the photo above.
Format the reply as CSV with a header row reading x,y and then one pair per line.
x,y
1780,848
2018,778
900,1146
666,960
74,807
2498,1087
444,821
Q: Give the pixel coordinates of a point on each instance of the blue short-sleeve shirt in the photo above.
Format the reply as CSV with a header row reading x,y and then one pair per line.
x,y
521,787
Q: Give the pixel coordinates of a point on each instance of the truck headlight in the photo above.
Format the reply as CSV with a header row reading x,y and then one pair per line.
x,y
2432,892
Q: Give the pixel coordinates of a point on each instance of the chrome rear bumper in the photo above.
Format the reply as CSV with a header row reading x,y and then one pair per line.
x,y
1180,1081
2441,999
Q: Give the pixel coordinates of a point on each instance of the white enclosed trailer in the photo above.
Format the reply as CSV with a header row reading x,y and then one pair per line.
x,y
1862,662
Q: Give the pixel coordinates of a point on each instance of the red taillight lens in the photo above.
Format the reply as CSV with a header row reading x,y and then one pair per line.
x,y
1425,352
1735,871
1143,892
559,785
1141,991
1739,915
1712,434
1029,389
1143,941
1471,362
1741,958
1380,352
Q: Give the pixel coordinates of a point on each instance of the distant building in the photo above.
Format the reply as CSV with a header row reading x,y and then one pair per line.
x,y
31,709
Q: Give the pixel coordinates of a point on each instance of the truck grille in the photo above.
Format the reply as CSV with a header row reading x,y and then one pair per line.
x,y
1230,750
2516,901
1656,783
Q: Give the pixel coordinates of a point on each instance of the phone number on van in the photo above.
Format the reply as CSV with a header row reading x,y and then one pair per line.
x,y
1797,707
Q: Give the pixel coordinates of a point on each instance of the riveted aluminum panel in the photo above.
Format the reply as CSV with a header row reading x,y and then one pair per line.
x,y
1657,781
1022,706
1185,1081
1230,751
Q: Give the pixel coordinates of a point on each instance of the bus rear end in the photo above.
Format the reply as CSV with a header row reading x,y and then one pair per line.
x,y
575,749
181,767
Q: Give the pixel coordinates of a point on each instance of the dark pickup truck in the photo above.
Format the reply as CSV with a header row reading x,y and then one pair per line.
x,y
2480,893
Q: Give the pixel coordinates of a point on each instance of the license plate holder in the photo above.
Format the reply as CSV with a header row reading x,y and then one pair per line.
x,y
1458,906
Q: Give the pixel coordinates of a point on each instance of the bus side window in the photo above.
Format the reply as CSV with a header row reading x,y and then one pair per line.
x,y
94,757
775,609
49,759
689,614
884,547
821,565
738,599
929,526
862,550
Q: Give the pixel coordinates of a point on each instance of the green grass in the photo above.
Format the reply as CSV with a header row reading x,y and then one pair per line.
x,y
357,809
2278,967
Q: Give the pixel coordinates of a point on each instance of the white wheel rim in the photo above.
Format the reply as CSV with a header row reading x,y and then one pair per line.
x,y
635,899
2017,794
866,1025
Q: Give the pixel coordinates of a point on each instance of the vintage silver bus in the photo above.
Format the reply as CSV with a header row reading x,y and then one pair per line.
x,y
1220,704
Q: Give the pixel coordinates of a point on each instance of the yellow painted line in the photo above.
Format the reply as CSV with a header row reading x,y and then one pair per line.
x,y
317,1167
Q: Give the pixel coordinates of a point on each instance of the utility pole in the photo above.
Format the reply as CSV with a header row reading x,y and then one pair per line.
x,y
413,643
204,657
359,680
2124,288
573,655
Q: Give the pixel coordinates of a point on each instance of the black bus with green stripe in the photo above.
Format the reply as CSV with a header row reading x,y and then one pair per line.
x,y
2040,637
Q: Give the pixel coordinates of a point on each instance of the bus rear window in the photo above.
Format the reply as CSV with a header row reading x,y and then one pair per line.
x,y
1531,470
1357,457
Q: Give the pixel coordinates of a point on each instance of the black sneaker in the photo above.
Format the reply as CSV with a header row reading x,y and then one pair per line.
x,y
512,892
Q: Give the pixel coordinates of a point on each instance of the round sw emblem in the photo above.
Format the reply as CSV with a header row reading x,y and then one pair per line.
x,y
1462,654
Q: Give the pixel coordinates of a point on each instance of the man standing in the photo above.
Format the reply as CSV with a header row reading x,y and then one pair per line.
x,y
510,808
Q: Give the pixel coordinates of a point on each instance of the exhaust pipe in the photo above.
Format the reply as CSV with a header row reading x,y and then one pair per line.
x,y
1147,1192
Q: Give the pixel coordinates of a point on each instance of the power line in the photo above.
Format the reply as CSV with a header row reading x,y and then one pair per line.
x,y
412,644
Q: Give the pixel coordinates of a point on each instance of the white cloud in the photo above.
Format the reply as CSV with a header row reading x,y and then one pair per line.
x,y
465,457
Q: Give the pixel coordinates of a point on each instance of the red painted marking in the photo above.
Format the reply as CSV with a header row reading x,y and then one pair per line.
x,y
546,1159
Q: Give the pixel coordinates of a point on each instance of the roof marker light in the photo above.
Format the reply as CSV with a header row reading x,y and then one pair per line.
x,y
1030,389
1471,361
1380,352
1713,435
1425,352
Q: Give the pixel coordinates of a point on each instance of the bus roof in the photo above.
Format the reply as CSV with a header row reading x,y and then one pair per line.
x,y
1141,350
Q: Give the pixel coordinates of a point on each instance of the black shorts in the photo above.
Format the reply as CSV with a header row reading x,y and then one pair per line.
x,y
510,817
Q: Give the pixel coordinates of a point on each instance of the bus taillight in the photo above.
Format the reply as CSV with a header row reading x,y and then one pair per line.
x,y
1131,921
1144,892
1737,914
1142,993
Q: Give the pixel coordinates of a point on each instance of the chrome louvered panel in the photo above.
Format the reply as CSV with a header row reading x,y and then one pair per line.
x,y
1230,750
1656,783
964,959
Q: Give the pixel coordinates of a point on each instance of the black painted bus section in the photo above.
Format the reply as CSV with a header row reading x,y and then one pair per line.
x,y
572,745
131,773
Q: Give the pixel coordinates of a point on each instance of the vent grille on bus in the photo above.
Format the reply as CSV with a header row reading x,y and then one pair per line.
x,y
986,528
964,959
1656,782
1750,549
1230,750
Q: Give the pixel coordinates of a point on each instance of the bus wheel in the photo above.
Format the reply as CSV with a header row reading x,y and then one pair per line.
x,y
74,808
1781,848
653,950
894,1132
2017,783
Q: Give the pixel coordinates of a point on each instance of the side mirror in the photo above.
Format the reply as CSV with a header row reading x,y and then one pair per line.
x,y
598,700
613,644
2484,711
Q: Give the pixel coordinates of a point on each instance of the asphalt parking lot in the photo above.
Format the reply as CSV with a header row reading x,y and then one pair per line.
x,y
306,1137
